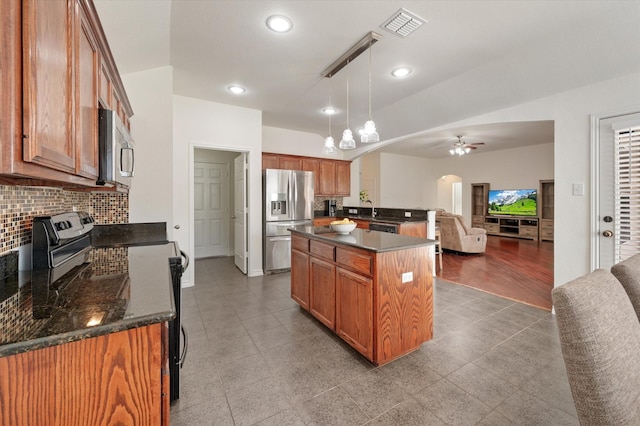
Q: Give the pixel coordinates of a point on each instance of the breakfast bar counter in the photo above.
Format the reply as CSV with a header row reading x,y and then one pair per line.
x,y
373,289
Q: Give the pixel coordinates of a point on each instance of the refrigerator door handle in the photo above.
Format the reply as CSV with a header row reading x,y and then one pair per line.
x,y
279,238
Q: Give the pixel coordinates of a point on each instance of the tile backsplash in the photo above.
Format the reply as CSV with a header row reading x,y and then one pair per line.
x,y
19,205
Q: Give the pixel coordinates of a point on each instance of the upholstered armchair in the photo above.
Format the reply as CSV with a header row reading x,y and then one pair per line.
x,y
628,273
600,340
457,236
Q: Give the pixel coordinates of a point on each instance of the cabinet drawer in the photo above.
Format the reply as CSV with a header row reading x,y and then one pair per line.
x,y
526,231
477,222
324,251
299,243
546,233
355,261
492,227
548,224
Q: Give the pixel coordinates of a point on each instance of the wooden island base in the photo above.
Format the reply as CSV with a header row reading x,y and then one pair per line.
x,y
374,290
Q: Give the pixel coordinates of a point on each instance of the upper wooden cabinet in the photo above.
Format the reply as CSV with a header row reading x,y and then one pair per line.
x,y
332,177
56,71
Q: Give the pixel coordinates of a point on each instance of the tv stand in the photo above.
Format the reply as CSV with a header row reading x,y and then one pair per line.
x,y
512,226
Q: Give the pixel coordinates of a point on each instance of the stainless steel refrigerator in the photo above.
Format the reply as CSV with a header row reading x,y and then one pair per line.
x,y
288,201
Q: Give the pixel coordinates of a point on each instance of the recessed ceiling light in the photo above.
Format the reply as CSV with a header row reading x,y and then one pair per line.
x,y
236,90
329,110
279,23
401,72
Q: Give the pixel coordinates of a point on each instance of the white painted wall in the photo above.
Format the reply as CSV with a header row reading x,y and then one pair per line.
x,y
150,93
203,124
445,192
370,177
406,182
293,142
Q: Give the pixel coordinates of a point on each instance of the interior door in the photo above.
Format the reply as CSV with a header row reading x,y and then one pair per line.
x,y
240,211
211,209
617,189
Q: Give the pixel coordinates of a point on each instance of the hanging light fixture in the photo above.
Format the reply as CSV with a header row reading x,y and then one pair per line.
x,y
369,133
347,141
329,145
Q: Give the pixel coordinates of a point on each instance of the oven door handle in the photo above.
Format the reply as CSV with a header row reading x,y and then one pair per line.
x,y
185,265
183,355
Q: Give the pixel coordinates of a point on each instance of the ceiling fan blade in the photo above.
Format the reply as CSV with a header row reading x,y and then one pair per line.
x,y
477,143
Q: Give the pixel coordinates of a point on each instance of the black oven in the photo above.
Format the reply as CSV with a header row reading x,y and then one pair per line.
x,y
384,227
177,346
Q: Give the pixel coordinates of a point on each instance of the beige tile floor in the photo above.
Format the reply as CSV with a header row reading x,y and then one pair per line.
x,y
256,358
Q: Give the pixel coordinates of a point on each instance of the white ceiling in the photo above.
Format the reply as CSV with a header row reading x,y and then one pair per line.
x,y
471,57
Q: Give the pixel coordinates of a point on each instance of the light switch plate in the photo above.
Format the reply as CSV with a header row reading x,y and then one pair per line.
x,y
578,189
407,277
407,214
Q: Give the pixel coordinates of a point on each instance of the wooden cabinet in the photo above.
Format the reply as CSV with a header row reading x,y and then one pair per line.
x,y
116,377
362,296
512,227
331,177
300,271
479,203
322,303
55,64
354,310
545,209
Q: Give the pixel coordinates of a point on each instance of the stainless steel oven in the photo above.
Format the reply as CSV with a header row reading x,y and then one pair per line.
x,y
391,228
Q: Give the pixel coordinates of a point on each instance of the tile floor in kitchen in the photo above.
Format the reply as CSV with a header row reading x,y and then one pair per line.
x,y
256,358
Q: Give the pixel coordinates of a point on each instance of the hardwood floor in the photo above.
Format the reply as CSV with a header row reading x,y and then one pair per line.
x,y
520,270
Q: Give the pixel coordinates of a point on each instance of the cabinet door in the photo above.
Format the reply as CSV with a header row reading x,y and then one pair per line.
x,y
48,83
290,163
300,278
87,75
313,165
343,178
270,161
354,311
327,177
105,86
323,291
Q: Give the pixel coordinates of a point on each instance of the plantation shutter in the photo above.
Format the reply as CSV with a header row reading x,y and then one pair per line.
x,y
627,191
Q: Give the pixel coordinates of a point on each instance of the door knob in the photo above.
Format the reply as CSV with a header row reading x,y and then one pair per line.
x,y
177,227
607,233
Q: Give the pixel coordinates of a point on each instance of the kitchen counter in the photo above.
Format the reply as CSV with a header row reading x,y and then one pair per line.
x,y
103,290
382,219
127,234
375,241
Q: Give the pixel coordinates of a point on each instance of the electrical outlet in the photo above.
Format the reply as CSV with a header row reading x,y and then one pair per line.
x,y
407,214
407,277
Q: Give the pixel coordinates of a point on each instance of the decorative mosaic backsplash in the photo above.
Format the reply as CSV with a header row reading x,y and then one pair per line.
x,y
19,205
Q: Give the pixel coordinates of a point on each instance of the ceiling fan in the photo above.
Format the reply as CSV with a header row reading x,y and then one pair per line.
x,y
460,147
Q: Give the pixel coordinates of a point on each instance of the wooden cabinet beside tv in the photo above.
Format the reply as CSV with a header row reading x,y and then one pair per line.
x,y
479,203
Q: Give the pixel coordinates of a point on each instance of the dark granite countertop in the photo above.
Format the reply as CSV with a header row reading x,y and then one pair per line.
x,y
376,241
127,234
381,219
100,291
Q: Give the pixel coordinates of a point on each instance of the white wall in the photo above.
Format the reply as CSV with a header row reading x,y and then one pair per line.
x,y
445,192
150,93
406,182
203,124
293,142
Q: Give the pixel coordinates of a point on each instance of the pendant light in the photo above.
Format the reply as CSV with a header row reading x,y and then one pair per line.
x,y
369,133
347,141
329,145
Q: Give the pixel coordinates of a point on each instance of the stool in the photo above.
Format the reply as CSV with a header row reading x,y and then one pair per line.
x,y
438,248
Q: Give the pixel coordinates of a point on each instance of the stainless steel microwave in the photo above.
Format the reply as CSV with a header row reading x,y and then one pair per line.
x,y
115,150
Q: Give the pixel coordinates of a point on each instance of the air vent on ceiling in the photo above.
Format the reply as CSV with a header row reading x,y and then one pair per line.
x,y
402,23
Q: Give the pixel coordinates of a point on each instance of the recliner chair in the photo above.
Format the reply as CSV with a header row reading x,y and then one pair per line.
x,y
456,236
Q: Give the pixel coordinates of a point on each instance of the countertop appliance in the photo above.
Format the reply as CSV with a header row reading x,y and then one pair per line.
x,y
63,253
331,207
115,150
288,201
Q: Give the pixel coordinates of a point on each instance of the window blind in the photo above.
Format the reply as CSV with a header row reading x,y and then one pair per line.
x,y
627,192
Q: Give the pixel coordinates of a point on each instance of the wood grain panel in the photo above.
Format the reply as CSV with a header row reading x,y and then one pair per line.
x,y
290,163
270,161
300,286
48,83
322,304
322,250
358,261
354,311
343,178
405,310
111,379
417,229
323,221
299,243
327,177
313,165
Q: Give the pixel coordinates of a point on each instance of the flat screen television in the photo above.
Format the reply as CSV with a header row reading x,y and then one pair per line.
x,y
513,202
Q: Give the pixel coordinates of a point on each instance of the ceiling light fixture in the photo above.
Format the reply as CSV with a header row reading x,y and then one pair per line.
x,y
329,144
237,90
401,72
460,147
279,23
347,141
370,134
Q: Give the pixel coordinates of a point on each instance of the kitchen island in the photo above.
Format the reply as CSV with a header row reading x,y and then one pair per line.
x,y
373,289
